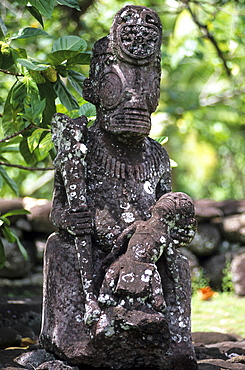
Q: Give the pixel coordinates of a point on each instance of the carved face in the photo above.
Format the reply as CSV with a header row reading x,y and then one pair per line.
x,y
136,34
124,81
127,98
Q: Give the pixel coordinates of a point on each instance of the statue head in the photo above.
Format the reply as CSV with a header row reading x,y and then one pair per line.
x,y
124,80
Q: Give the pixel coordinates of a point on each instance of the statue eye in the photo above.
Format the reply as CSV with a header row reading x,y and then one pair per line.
x,y
110,90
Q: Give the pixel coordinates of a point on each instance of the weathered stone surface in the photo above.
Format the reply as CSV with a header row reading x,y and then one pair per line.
x,y
211,364
212,337
33,359
233,228
56,365
238,274
116,290
206,240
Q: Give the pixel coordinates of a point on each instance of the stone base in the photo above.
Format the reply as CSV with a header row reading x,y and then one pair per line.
x,y
124,337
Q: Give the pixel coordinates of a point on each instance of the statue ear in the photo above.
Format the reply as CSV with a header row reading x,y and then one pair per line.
x,y
89,91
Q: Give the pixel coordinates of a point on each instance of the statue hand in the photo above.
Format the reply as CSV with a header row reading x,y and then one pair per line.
x,y
183,232
79,223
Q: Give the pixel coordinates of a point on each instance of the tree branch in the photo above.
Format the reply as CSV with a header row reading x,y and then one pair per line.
x,y
26,167
207,34
18,133
11,73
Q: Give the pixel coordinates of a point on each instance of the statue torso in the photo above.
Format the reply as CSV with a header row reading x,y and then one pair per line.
x,y
122,183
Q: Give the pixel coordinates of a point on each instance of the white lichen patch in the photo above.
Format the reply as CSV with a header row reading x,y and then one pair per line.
x,y
128,217
148,187
128,278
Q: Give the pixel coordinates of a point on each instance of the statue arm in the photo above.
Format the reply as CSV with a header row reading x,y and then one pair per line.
x,y
165,183
76,220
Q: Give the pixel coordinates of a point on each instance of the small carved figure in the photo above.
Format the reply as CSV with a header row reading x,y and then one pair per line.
x,y
134,275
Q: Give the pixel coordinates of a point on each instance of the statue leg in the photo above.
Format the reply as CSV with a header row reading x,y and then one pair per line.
x,y
85,260
63,329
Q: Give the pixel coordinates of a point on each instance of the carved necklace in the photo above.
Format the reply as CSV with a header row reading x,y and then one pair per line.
x,y
104,155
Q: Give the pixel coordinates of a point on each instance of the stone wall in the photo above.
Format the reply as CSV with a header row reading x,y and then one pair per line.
x,y
218,244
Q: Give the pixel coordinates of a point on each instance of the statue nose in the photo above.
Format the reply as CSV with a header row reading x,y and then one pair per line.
x,y
137,100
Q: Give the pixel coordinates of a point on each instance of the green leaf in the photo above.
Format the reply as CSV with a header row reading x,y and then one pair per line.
x,y
47,92
17,212
2,254
36,14
6,61
21,247
4,221
8,149
45,145
7,232
14,104
161,139
7,118
28,32
72,43
32,66
81,58
3,27
66,47
70,3
19,54
45,7
76,80
28,156
60,56
66,98
33,107
34,139
173,163
10,182
88,110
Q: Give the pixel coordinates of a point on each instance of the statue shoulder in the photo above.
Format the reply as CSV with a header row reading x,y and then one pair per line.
x,y
157,149
69,137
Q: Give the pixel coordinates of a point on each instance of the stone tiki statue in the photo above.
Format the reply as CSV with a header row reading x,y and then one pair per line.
x,y
116,289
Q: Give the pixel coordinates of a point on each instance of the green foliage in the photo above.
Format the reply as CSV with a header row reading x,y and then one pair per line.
x,y
39,82
9,234
198,280
227,283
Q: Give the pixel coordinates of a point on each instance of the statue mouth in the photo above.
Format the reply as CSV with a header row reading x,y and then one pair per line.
x,y
133,120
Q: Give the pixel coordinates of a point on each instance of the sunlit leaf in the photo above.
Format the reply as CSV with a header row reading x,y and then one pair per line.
x,y
72,43
27,32
87,110
32,66
45,7
3,27
34,139
36,14
57,57
161,139
45,145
